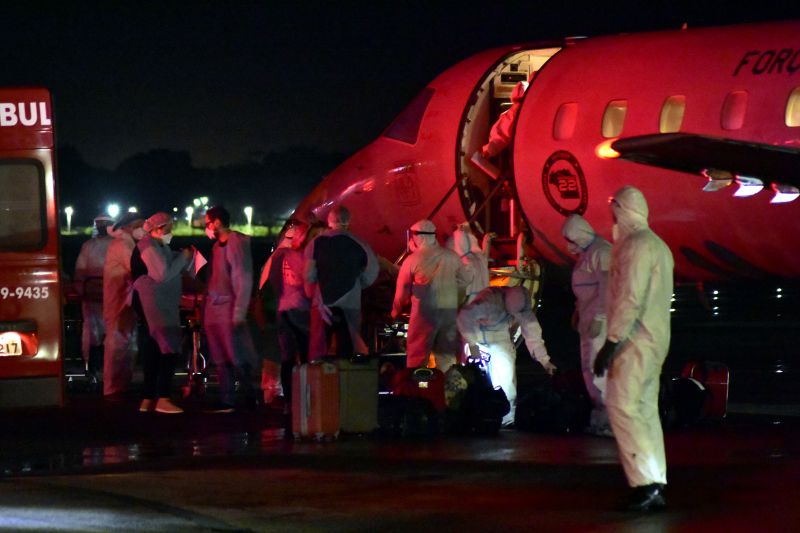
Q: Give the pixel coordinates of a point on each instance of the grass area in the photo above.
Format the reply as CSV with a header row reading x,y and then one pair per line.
x,y
183,230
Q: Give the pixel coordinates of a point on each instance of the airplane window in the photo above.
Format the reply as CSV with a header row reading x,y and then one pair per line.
x,y
733,110
405,127
793,109
614,118
564,124
672,114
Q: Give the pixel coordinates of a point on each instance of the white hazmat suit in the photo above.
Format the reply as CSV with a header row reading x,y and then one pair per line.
x,y
466,246
486,321
430,279
589,284
638,306
118,315
89,279
502,132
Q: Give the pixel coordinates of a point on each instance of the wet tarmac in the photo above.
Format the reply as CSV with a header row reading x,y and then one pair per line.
x,y
103,466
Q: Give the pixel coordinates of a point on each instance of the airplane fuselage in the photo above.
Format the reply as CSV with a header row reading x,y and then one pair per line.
x,y
734,82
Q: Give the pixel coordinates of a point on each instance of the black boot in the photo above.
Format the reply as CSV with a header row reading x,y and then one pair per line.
x,y
646,498
94,368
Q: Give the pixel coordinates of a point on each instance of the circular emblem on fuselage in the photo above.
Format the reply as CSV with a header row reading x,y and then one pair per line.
x,y
564,185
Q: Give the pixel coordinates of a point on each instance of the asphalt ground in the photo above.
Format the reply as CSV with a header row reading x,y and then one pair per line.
x,y
96,465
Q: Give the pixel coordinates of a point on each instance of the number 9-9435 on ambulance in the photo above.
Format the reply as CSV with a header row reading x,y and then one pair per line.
x,y
30,295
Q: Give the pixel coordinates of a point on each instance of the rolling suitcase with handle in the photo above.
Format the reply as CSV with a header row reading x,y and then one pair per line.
x,y
315,401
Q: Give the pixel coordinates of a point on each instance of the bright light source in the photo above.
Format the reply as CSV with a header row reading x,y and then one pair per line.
x,y
68,211
112,210
174,209
715,292
196,202
748,186
189,213
132,209
784,193
204,200
248,212
604,150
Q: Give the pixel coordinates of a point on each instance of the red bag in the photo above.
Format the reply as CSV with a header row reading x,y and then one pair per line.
x,y
425,383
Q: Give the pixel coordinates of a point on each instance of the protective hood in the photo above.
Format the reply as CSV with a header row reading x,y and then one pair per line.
x,y
156,221
464,241
516,299
519,91
579,231
423,233
630,208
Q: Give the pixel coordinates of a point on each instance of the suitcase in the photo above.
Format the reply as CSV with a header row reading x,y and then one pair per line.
x,y
409,417
315,401
715,377
358,394
416,406
425,383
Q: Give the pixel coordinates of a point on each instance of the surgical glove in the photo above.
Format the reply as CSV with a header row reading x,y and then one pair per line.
x,y
604,357
596,328
550,368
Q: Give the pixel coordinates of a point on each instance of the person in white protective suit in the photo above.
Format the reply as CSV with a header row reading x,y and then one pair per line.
x,y
118,315
229,290
338,266
89,282
638,307
589,283
465,244
486,322
429,280
502,132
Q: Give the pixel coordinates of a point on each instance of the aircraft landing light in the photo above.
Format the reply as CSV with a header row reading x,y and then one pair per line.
x,y
748,186
604,150
784,193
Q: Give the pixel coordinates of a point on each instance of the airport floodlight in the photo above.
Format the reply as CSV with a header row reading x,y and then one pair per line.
x,y
248,212
112,210
68,211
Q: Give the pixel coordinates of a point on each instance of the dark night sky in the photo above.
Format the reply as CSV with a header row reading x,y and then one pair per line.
x,y
224,80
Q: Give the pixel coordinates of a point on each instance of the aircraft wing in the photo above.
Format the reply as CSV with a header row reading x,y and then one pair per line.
x,y
698,154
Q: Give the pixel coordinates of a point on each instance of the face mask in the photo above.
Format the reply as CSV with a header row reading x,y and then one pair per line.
x,y
137,233
210,234
615,232
166,238
574,249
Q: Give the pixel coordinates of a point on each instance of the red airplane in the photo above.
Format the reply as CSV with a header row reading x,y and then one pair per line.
x,y
706,122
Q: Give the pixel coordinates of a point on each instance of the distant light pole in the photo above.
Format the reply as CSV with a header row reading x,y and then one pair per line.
x,y
112,210
189,214
248,212
68,211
